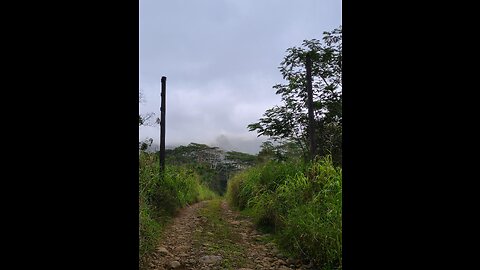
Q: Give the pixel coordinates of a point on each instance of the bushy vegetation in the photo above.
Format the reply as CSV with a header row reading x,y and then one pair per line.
x,y
161,197
301,204
290,120
212,164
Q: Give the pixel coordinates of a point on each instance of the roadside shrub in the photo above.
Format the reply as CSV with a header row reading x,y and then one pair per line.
x,y
161,197
302,203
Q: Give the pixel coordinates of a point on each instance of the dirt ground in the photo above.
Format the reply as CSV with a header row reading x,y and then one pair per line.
x,y
210,235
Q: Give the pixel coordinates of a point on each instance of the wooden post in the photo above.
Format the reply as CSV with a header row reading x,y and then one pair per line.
x,y
311,119
162,124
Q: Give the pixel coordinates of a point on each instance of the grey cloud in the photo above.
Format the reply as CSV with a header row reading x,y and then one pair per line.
x,y
221,59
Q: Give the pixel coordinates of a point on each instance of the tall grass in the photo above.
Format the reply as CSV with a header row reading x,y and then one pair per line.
x,y
301,203
161,197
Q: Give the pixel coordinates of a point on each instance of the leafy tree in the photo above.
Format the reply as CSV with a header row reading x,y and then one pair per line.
x,y
289,122
267,152
144,120
212,164
240,159
145,144
281,151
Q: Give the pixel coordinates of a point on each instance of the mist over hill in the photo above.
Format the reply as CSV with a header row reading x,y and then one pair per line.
x,y
226,143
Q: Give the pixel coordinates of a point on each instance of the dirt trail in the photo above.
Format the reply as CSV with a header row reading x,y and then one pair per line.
x,y
209,235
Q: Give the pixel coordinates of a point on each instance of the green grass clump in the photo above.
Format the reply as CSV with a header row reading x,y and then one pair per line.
x,y
219,237
161,197
300,203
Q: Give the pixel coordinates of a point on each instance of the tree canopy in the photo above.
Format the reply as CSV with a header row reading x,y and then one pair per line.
x,y
213,164
289,122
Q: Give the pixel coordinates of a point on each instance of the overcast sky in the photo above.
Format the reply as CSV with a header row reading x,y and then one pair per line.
x,y
221,60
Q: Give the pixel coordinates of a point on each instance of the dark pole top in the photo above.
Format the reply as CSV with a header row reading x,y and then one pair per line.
x,y
164,78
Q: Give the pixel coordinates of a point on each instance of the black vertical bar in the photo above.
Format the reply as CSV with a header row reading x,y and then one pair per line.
x,y
162,124
311,120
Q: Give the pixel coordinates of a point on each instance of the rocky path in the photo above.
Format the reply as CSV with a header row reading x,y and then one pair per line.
x,y
209,235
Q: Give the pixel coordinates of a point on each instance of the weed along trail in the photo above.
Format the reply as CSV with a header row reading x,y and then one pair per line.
x,y
209,235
